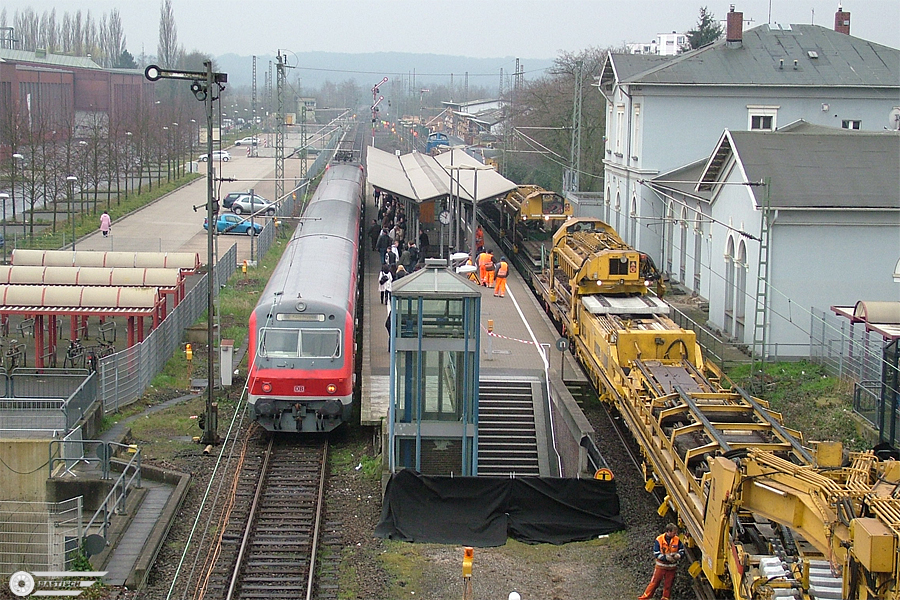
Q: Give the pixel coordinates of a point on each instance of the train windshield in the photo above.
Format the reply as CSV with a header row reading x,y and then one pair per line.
x,y
300,343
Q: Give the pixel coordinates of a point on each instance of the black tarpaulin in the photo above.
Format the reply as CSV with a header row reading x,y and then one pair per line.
x,y
484,511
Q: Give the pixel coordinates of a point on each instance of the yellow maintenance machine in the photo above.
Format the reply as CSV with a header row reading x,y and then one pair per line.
x,y
527,218
764,515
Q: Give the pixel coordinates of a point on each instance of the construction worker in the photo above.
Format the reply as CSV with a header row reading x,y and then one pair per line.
x,y
668,550
483,259
479,238
500,272
490,268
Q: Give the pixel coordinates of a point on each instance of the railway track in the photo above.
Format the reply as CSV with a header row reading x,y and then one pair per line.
x,y
268,550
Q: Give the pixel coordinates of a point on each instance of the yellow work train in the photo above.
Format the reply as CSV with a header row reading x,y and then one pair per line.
x,y
765,515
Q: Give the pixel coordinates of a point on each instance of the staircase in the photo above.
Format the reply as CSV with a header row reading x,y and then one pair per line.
x,y
507,442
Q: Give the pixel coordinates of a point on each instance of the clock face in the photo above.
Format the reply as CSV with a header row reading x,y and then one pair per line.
x,y
444,217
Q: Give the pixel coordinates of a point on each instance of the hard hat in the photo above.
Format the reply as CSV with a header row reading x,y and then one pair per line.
x,y
514,596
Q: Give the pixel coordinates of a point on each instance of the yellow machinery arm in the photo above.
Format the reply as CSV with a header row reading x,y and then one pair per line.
x,y
849,516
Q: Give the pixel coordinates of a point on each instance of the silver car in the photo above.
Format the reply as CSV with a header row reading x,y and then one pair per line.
x,y
243,205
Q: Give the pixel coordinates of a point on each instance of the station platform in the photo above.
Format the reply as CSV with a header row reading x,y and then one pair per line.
x,y
515,350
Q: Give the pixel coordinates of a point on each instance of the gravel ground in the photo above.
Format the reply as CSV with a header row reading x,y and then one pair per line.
x,y
373,569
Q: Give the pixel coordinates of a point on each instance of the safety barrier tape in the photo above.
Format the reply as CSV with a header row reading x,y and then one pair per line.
x,y
497,335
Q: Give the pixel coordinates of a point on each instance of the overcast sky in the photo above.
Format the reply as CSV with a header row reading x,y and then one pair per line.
x,y
483,28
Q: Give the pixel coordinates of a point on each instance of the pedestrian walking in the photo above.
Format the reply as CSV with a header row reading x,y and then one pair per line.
x,y
668,550
382,245
501,271
105,223
374,232
385,284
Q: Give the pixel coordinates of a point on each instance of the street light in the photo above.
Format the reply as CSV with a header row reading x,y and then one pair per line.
x,y
168,155
472,226
70,184
15,157
176,146
128,135
4,197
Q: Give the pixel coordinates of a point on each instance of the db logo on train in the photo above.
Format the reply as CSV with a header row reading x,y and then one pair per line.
x,y
299,389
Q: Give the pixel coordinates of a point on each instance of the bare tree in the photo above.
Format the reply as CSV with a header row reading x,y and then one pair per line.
x,y
113,39
544,124
167,49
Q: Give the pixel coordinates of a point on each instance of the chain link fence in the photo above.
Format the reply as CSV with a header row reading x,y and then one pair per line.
x,y
863,358
125,375
39,536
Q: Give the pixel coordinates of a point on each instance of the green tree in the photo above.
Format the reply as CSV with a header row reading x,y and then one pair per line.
x,y
707,31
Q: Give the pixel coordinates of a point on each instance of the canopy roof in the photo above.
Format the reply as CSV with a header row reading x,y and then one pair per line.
x,y
421,177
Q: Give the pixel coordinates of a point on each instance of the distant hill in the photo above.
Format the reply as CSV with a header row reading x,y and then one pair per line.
x,y
315,68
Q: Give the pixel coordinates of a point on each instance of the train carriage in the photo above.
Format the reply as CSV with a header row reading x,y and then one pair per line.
x,y
302,331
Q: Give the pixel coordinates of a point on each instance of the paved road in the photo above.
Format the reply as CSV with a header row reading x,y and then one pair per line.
x,y
171,225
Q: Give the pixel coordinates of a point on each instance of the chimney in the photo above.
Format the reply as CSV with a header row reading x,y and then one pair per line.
x,y
734,31
842,21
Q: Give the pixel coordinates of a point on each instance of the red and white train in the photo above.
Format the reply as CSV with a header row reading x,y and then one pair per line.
x,y
302,331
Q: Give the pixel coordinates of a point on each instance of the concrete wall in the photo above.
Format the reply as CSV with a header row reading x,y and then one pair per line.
x,y
26,471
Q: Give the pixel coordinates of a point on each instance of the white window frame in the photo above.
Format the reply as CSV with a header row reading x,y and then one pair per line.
x,y
636,132
620,129
849,124
756,110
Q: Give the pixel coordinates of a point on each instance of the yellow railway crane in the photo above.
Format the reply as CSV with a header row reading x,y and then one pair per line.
x,y
768,516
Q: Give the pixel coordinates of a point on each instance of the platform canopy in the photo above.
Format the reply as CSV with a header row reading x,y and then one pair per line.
x,y
421,177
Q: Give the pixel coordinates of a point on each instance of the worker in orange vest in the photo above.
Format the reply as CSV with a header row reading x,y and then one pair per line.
x,y
479,238
483,259
668,550
501,271
490,268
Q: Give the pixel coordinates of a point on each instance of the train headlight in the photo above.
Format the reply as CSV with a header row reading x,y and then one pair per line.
x,y
331,388
266,388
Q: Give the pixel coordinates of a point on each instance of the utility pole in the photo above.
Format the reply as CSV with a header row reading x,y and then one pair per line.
x,y
253,100
279,130
376,100
304,139
575,152
206,87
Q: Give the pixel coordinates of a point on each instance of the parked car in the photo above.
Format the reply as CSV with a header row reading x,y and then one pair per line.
x,y
247,141
217,155
243,205
228,200
227,223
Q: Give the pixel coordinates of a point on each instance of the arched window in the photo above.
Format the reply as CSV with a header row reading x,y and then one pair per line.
x,y
670,234
634,219
698,251
682,259
729,287
618,207
740,291
606,205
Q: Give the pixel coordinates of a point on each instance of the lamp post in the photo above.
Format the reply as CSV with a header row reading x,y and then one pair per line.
x,y
83,145
128,135
472,224
15,157
176,146
70,185
168,155
4,197
191,135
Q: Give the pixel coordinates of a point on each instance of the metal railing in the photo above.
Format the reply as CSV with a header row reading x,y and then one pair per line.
x,y
39,536
50,401
70,452
125,375
720,352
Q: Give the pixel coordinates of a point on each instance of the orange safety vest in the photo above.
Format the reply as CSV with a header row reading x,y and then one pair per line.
x,y
667,547
502,270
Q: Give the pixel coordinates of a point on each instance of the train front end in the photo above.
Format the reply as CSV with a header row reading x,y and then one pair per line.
x,y
301,375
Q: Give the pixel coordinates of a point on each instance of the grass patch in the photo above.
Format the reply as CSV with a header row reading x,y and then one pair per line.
x,y
405,565
808,399
348,459
166,434
87,222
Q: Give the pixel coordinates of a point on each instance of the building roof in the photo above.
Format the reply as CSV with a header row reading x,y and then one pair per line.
x,y
421,177
824,58
48,59
814,169
682,180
